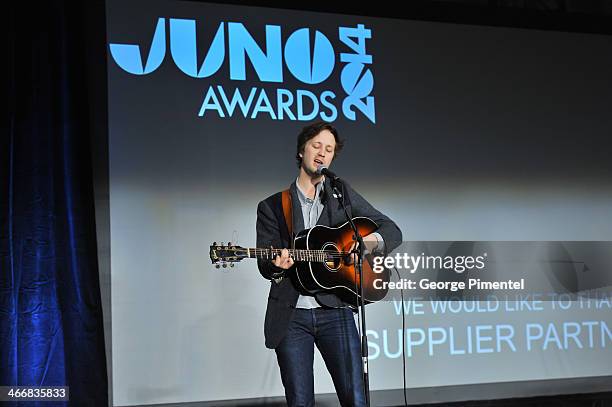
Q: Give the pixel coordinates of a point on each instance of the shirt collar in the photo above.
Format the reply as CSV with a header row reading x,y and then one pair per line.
x,y
318,189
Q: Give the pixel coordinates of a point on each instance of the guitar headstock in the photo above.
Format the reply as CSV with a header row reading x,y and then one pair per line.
x,y
221,255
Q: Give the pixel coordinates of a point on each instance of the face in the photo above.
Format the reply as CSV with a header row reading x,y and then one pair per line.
x,y
319,150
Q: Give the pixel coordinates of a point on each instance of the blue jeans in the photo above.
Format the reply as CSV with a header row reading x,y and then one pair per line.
x,y
334,332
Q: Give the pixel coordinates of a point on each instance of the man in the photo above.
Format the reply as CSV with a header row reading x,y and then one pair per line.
x,y
296,321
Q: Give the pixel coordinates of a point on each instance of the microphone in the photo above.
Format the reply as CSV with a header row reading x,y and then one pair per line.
x,y
323,170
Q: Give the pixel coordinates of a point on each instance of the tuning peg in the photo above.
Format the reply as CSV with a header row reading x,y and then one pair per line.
x,y
224,265
231,264
221,243
217,266
229,243
214,243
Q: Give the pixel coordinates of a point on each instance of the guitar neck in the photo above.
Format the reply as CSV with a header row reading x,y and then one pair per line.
x,y
296,254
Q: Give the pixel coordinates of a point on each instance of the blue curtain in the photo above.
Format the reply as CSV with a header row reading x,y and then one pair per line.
x,y
51,331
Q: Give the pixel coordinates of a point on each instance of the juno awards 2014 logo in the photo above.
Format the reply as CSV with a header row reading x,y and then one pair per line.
x,y
311,64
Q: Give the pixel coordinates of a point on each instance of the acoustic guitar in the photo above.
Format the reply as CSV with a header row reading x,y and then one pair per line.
x,y
322,261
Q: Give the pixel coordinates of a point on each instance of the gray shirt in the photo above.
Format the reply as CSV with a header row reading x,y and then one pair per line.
x,y
311,210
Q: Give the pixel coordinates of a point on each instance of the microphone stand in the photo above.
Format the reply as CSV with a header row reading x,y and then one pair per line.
x,y
360,302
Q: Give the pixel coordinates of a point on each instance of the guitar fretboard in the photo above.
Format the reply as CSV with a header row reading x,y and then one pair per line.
x,y
296,254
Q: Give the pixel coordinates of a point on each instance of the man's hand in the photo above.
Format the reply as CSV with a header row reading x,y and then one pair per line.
x,y
283,261
371,243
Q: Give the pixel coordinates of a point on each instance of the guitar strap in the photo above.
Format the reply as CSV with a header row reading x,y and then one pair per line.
x,y
288,213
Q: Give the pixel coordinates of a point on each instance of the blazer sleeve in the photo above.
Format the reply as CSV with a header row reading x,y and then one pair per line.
x,y
268,235
391,234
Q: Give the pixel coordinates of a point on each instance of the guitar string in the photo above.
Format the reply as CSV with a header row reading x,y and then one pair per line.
x,y
299,254
303,253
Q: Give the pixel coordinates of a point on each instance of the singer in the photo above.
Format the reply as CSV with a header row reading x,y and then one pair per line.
x,y
296,321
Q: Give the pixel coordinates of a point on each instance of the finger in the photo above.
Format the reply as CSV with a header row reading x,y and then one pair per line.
x,y
349,259
285,254
286,264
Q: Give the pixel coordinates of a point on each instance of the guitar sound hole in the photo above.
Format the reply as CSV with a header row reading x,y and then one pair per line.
x,y
335,261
